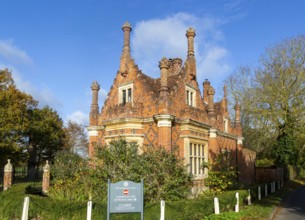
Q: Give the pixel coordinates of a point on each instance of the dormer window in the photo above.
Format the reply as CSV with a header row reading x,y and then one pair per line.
x,y
190,96
125,93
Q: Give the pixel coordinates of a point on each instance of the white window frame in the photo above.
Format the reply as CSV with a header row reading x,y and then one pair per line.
x,y
190,95
124,89
197,157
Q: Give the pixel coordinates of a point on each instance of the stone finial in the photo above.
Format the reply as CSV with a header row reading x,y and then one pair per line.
x,y
95,86
46,167
126,25
8,167
190,34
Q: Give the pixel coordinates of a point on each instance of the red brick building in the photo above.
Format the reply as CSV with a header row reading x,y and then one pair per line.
x,y
168,111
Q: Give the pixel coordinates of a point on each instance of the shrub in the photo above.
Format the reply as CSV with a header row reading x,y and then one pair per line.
x,y
222,174
264,162
164,174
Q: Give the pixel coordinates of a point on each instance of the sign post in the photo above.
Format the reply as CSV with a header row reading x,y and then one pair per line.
x,y
125,197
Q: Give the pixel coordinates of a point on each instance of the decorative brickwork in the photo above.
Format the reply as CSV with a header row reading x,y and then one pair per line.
x,y
167,111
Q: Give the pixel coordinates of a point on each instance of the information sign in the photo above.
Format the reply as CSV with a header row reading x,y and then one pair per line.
x,y
125,197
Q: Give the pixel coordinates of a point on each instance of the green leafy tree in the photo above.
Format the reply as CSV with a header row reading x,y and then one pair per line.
x,y
27,134
14,118
45,136
273,99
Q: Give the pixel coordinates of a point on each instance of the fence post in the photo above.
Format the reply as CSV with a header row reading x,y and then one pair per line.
x,y
46,178
216,205
162,217
25,211
266,190
8,175
237,202
89,210
259,193
249,197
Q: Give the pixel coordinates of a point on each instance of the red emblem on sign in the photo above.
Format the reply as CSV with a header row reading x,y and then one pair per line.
x,y
125,192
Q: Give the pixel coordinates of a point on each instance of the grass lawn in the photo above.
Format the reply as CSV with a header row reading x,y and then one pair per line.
x,y
46,208
263,209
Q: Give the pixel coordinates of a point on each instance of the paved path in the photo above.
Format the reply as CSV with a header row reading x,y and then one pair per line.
x,y
293,206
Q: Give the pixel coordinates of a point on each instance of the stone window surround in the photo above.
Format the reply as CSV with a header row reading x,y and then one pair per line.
x,y
190,94
204,158
126,87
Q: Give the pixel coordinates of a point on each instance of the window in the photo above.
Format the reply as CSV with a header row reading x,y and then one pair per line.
x,y
190,96
196,152
125,93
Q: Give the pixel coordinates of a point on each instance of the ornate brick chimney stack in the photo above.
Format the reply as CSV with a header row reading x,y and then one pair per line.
x,y
126,49
206,86
164,66
237,120
211,110
95,87
191,62
225,100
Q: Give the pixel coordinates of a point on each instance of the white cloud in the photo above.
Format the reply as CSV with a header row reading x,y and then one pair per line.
x,y
12,53
79,117
156,38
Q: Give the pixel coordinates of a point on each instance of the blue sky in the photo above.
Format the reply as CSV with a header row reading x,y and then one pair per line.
x,y
57,48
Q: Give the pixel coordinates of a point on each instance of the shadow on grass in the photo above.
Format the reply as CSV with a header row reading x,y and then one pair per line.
x,y
267,207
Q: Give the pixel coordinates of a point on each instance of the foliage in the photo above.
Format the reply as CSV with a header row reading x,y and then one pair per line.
x,y
222,174
264,162
164,174
50,208
14,118
26,132
76,139
44,136
69,177
272,96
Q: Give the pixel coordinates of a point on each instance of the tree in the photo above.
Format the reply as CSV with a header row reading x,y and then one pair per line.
x,y
45,136
76,139
14,118
274,100
27,134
